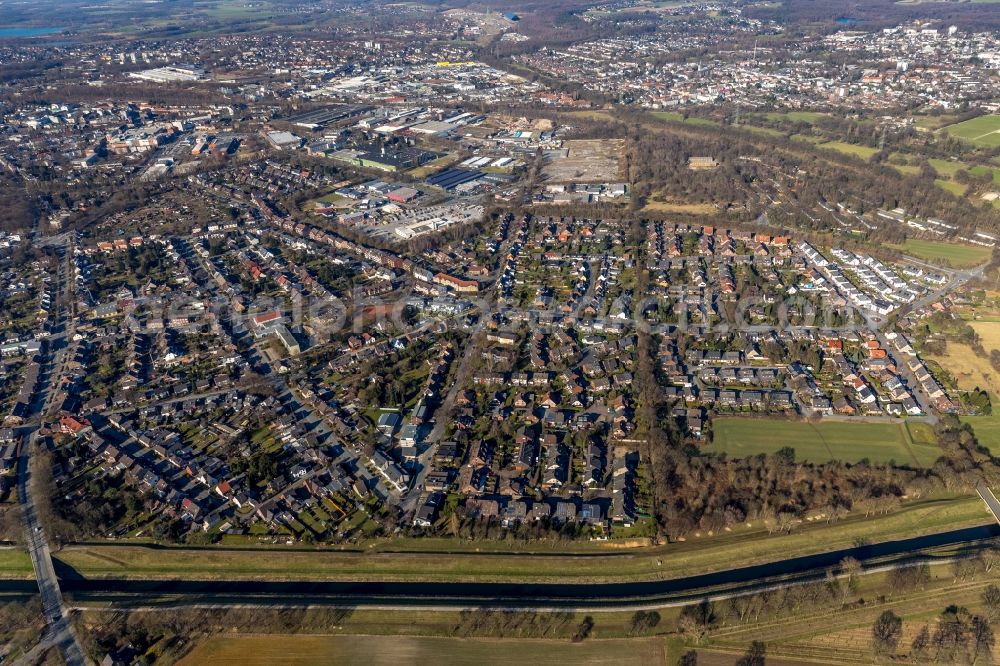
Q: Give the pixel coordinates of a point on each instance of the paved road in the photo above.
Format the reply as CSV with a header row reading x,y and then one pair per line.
x,y
59,633
442,418
919,395
991,501
182,398
958,278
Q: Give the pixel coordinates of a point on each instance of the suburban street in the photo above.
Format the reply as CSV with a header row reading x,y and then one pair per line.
x,y
359,332
59,632
442,416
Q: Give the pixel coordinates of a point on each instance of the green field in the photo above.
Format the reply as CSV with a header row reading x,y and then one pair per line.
x,y
394,650
767,131
233,10
908,444
955,255
987,429
981,170
946,168
808,138
15,563
906,169
983,131
958,189
864,152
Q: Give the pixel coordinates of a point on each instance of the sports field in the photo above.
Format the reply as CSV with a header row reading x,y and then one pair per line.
x,y
906,443
983,131
955,255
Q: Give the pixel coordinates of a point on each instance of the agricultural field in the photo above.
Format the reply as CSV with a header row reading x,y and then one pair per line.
x,y
232,10
983,131
822,633
588,161
906,443
968,369
845,635
953,254
988,332
393,650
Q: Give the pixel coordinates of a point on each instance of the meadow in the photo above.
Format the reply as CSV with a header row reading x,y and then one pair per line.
x,y
905,443
862,152
954,254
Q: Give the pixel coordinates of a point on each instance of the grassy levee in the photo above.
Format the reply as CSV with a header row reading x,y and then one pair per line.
x,y
741,547
15,563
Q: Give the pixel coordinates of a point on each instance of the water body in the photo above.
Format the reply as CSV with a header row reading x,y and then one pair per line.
x,y
545,595
6,33
846,20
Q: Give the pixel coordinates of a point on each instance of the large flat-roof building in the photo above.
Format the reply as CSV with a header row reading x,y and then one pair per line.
x,y
171,73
